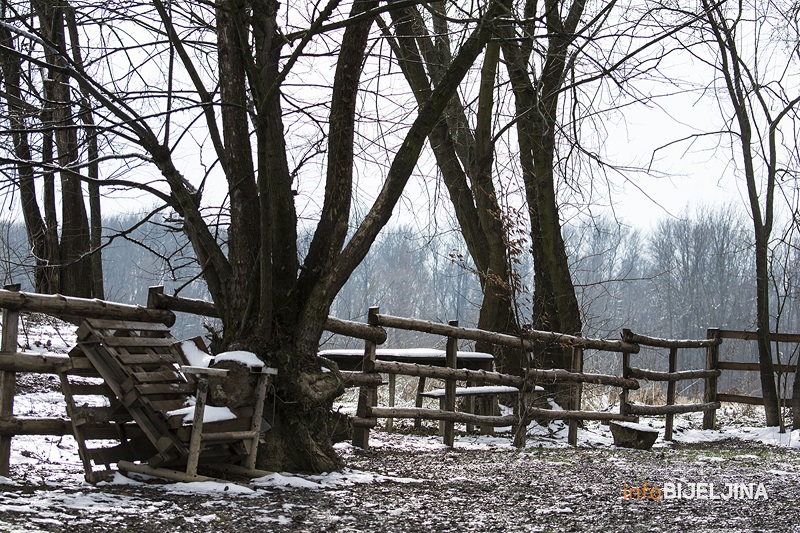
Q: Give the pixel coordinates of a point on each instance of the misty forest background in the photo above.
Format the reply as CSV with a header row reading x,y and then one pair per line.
x,y
676,279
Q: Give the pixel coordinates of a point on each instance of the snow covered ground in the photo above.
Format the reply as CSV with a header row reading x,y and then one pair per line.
x,y
409,481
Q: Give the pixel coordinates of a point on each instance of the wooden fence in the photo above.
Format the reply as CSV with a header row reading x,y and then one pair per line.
x,y
160,308
709,421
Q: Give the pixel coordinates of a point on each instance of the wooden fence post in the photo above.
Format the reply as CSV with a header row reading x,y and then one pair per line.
x,y
673,367
8,380
451,361
626,373
710,394
577,389
367,394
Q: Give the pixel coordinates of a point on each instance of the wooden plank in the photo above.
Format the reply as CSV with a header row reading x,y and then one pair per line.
x,y
164,406
146,389
90,389
158,377
99,323
143,342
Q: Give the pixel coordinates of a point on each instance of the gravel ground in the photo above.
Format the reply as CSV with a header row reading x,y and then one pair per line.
x,y
414,485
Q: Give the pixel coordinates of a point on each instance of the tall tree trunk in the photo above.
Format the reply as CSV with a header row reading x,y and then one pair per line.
x,y
76,267
31,212
476,206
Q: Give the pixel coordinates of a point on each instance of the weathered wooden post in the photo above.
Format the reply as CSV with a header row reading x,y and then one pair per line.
x,y
8,380
710,394
367,394
451,361
577,389
673,367
626,373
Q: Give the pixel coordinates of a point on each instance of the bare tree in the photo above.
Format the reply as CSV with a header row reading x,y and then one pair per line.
x,y
271,301
40,105
762,100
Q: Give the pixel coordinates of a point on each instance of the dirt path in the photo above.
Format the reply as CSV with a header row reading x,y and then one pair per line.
x,y
428,489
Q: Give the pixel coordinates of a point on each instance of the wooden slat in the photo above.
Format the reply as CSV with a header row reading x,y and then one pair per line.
x,y
98,323
166,405
90,389
145,342
149,357
146,389
157,377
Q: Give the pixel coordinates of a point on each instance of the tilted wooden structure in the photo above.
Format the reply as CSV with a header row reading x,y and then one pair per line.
x,y
147,383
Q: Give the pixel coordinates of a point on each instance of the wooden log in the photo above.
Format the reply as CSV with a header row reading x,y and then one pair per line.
x,y
356,330
449,401
754,367
460,374
69,306
577,389
164,473
359,422
657,410
19,425
158,300
438,414
753,336
367,394
535,413
749,400
626,374
629,336
49,363
582,377
527,340
652,375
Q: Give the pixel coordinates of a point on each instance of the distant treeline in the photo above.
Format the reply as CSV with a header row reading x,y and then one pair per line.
x,y
674,280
